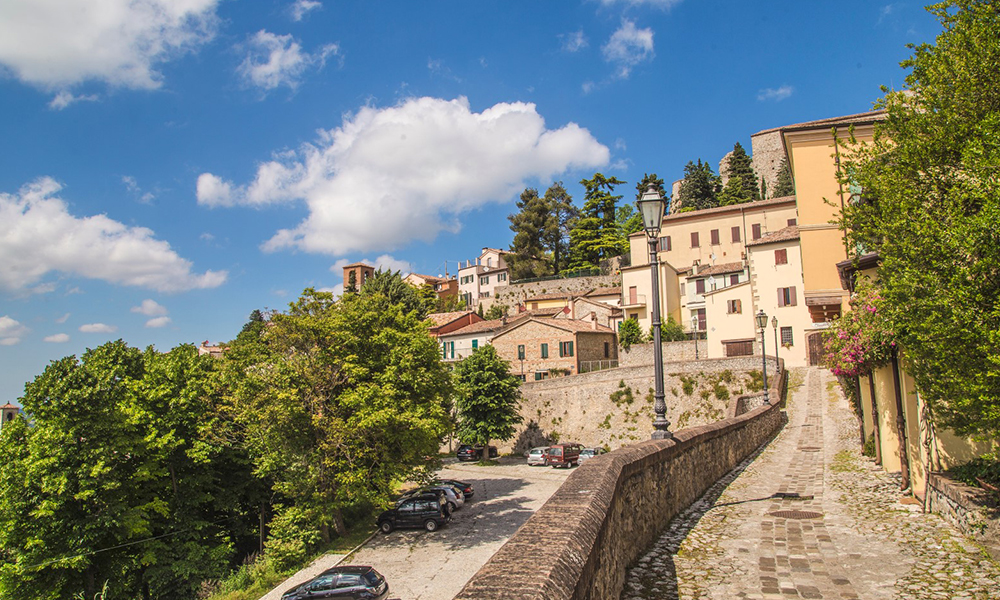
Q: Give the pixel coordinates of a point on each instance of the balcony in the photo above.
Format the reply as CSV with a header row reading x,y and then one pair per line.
x,y
634,301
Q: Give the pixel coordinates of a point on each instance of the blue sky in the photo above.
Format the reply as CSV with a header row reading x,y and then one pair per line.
x,y
169,166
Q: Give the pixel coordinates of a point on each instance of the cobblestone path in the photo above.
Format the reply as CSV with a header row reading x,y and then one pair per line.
x,y
808,517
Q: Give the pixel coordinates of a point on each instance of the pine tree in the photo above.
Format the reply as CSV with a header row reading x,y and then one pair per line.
x,y
562,219
530,226
742,185
700,187
596,235
784,185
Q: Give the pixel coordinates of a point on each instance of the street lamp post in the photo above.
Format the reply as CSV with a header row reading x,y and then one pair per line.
x,y
652,207
694,334
774,323
762,325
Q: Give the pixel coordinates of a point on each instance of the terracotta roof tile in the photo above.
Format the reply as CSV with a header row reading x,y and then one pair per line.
x,y
855,119
439,319
781,235
734,267
605,291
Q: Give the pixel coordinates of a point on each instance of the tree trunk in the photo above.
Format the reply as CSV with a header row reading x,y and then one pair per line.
x,y
88,582
338,523
324,533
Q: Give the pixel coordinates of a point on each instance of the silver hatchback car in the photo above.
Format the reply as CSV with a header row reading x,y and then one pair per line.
x,y
538,456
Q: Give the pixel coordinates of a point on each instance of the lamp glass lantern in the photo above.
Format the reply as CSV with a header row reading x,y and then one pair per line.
x,y
652,206
761,320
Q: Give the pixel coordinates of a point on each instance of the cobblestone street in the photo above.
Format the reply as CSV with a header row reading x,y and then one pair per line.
x,y
809,517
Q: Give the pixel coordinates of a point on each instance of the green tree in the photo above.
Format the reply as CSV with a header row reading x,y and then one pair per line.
x,y
629,333
596,235
563,216
700,188
783,186
488,398
530,227
339,400
496,311
742,185
428,298
351,286
925,195
391,285
116,480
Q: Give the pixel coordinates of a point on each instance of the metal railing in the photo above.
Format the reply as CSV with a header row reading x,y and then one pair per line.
x,y
587,366
563,275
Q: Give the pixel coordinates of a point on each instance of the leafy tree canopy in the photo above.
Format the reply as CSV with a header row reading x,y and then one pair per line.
x,y
742,185
629,333
390,285
488,398
700,188
926,197
563,216
597,235
531,227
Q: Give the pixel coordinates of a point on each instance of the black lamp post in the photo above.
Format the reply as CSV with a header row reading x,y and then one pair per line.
x,y
694,334
762,325
774,323
652,206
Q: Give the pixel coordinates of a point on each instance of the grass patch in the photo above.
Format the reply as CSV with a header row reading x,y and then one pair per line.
x,y
844,462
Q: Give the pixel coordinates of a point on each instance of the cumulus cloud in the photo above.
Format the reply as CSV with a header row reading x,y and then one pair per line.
x,y
158,322
38,235
11,331
775,94
275,60
573,42
59,338
150,308
98,328
300,8
388,176
65,98
54,44
628,47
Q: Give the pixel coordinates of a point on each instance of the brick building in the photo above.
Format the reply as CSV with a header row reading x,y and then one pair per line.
x,y
539,348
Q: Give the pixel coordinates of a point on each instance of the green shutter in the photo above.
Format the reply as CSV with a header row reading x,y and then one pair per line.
x,y
452,348
444,349
538,376
475,344
570,348
545,350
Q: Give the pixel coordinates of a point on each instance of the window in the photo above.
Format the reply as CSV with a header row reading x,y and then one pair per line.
x,y
545,350
664,244
699,286
786,296
451,349
786,336
475,343
484,280
736,234
484,294
522,377
739,348
781,257
444,349
634,316
734,279
682,288
520,352
714,234
633,296
734,307
607,350
348,580
501,277
792,222
407,507
565,348
323,583
755,229
702,323
694,239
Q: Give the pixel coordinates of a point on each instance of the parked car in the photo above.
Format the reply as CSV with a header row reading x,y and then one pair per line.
x,y
564,455
469,452
538,456
467,490
425,510
342,582
438,495
453,496
588,453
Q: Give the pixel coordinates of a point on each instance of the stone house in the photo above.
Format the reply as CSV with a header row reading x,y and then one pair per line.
x,y
444,287
478,279
540,348
460,343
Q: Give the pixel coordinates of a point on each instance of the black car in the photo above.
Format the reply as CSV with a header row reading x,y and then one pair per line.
x,y
356,583
438,494
469,452
425,510
467,490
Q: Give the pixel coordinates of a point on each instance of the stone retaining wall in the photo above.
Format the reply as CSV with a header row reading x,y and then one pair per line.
x,y
607,513
511,295
968,508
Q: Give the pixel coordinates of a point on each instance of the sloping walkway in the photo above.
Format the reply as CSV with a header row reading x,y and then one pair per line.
x,y
810,518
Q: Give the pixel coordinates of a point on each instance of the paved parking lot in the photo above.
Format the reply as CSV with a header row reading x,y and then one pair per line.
x,y
423,565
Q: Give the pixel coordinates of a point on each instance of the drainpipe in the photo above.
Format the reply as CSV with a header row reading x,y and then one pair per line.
x,y
875,417
904,461
861,425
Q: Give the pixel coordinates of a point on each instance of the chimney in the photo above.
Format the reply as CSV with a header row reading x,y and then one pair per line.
x,y
695,267
593,320
572,308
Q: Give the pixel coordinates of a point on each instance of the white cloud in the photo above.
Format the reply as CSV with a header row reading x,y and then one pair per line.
x,y
98,328
573,42
150,308
59,338
63,319
158,322
65,98
628,47
388,176
275,60
54,44
588,86
655,3
11,331
300,8
776,94
133,187
38,235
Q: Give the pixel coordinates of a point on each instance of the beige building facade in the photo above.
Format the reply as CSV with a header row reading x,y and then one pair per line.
x,y
479,278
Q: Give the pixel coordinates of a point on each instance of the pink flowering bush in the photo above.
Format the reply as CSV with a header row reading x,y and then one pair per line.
x,y
860,340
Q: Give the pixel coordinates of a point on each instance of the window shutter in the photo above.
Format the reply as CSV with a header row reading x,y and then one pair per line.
x,y
715,237
791,296
694,239
781,296
571,348
475,344
736,234
545,350
561,353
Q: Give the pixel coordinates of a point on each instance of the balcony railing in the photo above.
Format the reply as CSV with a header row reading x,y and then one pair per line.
x,y
586,366
639,300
